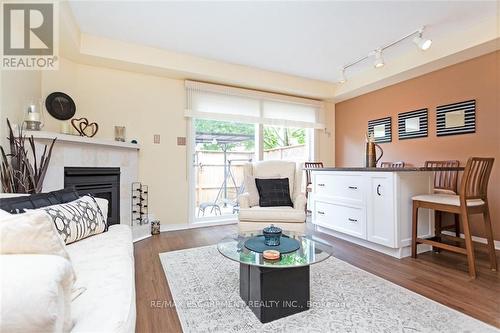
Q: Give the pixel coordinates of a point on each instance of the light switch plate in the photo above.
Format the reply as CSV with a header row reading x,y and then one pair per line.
x,y
156,138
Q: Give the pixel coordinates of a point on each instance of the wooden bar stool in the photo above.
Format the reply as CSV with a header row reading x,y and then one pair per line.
x,y
445,182
398,164
472,199
310,165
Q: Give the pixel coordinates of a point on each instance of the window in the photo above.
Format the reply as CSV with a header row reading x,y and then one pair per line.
x,y
287,143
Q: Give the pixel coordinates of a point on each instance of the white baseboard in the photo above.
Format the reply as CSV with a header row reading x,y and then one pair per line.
x,y
185,226
474,238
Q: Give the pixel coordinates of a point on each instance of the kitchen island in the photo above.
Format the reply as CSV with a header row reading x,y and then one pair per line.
x,y
372,207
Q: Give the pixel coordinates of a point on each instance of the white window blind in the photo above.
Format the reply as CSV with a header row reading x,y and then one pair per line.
x,y
211,101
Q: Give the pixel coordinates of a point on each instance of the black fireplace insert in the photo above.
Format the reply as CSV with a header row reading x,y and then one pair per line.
x,y
101,183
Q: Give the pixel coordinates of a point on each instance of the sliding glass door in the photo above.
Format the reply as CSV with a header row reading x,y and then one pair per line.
x,y
220,149
230,127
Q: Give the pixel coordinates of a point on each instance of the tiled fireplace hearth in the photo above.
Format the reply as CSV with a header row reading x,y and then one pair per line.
x,y
76,153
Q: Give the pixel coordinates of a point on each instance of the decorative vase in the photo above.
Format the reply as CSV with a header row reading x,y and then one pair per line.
x,y
272,235
371,159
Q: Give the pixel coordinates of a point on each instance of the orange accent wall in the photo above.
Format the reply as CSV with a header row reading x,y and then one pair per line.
x,y
477,79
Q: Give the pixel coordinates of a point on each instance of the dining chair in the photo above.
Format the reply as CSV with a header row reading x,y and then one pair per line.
x,y
398,164
445,182
472,199
308,166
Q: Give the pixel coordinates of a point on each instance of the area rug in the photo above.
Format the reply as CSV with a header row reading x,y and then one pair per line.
x,y
205,290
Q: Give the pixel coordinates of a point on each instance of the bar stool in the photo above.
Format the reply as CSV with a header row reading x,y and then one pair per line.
x,y
472,199
445,182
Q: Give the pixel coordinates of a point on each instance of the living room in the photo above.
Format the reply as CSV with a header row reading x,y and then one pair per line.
x,y
363,146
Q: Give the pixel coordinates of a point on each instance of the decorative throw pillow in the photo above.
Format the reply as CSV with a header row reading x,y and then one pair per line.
x,y
274,192
30,233
20,204
251,189
77,219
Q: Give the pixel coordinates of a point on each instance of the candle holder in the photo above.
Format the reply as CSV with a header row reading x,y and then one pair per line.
x,y
33,118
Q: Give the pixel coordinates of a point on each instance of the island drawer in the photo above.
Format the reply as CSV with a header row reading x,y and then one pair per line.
x,y
347,219
343,187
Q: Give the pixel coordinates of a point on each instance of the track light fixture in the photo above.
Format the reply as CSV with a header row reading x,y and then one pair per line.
x,y
379,59
419,40
342,78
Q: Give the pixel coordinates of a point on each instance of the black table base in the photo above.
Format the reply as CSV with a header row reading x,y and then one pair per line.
x,y
274,293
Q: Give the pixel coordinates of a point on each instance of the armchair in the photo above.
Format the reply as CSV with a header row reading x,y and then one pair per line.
x,y
288,218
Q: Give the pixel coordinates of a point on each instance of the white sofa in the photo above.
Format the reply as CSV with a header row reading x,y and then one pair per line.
x,y
288,218
104,268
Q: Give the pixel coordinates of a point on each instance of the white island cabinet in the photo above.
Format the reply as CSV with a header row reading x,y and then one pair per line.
x,y
371,207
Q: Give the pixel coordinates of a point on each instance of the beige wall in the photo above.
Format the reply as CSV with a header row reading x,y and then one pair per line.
x,y
145,105
17,88
474,79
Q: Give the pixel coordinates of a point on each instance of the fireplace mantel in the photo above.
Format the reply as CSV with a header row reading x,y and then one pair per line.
x,y
43,135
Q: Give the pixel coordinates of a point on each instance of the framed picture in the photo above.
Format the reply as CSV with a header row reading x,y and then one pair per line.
x,y
413,124
456,118
381,129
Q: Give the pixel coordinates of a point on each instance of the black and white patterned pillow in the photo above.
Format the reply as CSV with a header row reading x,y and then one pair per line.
x,y
274,192
77,219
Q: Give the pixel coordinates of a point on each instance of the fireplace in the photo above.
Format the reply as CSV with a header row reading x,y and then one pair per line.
x,y
100,182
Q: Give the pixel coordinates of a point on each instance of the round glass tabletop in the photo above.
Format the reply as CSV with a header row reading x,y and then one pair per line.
x,y
311,251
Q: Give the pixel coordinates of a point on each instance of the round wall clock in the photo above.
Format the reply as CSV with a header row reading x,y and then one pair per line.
x,y
60,106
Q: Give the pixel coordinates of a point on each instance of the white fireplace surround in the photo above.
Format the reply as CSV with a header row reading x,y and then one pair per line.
x,y
75,151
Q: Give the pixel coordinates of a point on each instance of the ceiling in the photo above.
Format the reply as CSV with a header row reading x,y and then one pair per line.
x,y
308,39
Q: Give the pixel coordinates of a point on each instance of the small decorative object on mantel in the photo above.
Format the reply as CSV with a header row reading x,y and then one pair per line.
x,y
139,201
18,173
60,106
155,227
272,235
271,255
34,116
371,159
381,129
84,128
456,118
120,133
413,124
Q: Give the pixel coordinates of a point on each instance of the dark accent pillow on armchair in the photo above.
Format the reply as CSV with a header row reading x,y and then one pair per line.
x,y
18,205
273,192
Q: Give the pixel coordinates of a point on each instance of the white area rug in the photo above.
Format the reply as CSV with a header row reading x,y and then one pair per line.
x,y
205,289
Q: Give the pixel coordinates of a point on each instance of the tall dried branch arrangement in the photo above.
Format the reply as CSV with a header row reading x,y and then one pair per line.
x,y
21,170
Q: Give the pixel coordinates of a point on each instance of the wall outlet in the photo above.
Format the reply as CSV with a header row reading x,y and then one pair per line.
x,y
156,138
181,140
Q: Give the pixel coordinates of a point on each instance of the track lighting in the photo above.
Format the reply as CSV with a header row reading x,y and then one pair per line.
x,y
419,40
422,43
379,60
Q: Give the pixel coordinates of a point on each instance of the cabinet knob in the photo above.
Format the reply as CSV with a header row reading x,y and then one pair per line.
x,y
321,213
352,220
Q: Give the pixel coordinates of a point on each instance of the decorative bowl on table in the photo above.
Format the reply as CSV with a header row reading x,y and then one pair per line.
x,y
272,235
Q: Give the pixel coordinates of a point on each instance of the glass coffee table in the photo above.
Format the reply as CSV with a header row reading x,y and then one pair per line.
x,y
278,288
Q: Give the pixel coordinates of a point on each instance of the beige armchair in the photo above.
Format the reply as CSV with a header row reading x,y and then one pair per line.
x,y
254,217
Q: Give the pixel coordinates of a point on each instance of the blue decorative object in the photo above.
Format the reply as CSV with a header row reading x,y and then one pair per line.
x,y
258,245
272,235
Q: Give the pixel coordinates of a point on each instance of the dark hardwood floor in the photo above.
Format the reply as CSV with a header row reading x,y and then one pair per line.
x,y
439,276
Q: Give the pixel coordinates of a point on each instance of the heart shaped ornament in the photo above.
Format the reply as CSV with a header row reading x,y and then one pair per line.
x,y
84,128
89,129
75,122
